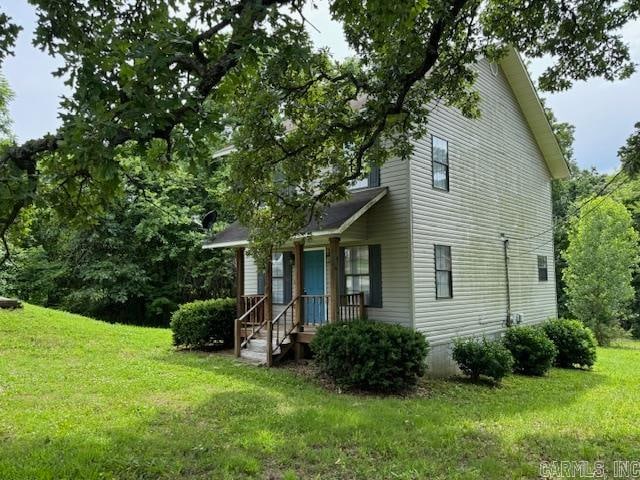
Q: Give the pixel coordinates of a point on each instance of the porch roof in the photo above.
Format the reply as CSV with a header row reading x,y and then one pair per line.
x,y
335,219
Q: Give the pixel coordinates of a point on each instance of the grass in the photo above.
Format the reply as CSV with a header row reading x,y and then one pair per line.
x,y
85,399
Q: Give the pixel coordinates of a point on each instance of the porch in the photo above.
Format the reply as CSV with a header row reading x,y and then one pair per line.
x,y
265,331
326,274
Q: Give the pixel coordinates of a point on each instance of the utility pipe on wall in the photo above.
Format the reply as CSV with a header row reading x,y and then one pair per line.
x,y
505,244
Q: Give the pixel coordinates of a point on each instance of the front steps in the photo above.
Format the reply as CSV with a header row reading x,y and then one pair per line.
x,y
256,350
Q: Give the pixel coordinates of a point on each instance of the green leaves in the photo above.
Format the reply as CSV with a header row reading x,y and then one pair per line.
x,y
8,34
175,80
601,256
582,36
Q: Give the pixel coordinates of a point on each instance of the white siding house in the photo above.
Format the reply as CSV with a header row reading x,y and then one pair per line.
x,y
491,189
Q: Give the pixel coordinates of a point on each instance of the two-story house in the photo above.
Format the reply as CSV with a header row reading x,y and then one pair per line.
x,y
456,241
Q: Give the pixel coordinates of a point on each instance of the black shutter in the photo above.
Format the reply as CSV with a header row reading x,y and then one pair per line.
x,y
375,276
260,283
374,177
287,260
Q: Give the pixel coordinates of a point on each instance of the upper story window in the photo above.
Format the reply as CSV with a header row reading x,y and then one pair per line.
x,y
440,163
543,272
444,283
370,181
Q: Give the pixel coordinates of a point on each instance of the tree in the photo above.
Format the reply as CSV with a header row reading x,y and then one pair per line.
x,y
178,77
136,261
601,257
567,195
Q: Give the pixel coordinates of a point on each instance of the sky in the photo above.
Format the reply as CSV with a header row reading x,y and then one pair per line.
x,y
603,113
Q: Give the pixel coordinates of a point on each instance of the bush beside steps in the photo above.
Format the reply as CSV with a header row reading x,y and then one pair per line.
x,y
372,356
204,323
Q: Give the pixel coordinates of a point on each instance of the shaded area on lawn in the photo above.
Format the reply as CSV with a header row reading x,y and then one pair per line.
x,y
80,398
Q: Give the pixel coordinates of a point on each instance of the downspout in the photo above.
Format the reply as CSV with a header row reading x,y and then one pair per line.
x,y
505,244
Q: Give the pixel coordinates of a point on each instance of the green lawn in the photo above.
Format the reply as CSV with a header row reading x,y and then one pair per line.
x,y
85,399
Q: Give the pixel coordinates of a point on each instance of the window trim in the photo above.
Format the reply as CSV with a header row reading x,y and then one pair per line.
x,y
278,277
436,270
434,161
374,268
372,179
544,269
346,275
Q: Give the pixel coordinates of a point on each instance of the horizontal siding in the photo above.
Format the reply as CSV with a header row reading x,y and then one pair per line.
x,y
250,276
388,224
499,183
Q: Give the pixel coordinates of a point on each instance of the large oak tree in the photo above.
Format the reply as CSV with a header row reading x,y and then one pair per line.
x,y
184,77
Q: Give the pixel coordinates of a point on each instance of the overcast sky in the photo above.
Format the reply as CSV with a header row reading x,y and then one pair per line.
x,y
603,113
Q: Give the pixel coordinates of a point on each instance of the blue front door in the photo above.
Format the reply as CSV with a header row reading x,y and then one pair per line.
x,y
313,271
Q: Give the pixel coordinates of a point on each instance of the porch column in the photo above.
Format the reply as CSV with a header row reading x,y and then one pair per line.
x,y
334,280
298,290
239,282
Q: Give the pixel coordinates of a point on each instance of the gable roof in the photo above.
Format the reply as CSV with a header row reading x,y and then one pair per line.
x,y
518,78
525,93
335,219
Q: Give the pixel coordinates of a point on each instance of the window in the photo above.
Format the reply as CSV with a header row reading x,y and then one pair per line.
x,y
370,181
543,272
281,269
440,163
362,272
356,271
277,277
444,284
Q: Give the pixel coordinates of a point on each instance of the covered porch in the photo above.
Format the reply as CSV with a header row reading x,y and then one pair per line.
x,y
304,286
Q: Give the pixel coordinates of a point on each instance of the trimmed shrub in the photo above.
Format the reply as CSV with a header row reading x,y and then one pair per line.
x,y
477,357
204,322
370,355
576,343
532,350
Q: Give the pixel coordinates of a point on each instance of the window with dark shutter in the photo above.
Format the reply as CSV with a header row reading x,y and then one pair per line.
x,y
444,283
281,278
361,272
440,163
543,272
370,181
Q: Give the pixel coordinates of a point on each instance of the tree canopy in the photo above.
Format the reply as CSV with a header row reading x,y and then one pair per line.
x,y
169,80
602,256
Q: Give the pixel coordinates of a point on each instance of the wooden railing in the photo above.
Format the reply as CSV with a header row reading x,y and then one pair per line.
x,y
316,308
280,328
250,323
315,312
351,307
248,301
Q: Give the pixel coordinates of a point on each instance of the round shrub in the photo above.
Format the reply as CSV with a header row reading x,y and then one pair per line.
x,y
204,323
532,350
370,355
477,357
576,343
